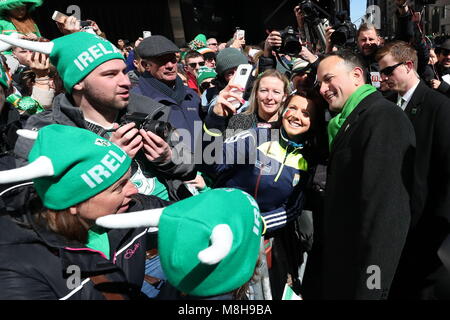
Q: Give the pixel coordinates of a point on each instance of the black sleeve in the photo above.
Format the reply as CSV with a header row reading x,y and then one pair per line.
x,y
16,286
143,202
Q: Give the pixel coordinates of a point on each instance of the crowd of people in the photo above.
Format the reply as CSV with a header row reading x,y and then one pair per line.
x,y
145,171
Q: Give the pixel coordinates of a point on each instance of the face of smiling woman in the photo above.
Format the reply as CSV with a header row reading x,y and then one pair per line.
x,y
297,117
270,96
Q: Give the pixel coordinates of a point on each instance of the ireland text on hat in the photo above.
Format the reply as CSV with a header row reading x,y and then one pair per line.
x,y
105,169
92,54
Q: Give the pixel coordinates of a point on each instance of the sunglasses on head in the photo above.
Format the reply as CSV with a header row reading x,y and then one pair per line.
x,y
193,65
389,70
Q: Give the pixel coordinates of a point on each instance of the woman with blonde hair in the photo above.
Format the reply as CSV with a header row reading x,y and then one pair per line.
x,y
270,90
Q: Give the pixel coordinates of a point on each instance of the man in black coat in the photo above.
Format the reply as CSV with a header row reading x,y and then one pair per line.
x,y
442,68
367,211
421,270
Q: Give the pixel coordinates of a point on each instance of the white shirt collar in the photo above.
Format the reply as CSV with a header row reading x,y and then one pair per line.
x,y
408,95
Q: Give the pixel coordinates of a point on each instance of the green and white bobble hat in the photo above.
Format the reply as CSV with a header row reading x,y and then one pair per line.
x,y
69,165
75,56
208,244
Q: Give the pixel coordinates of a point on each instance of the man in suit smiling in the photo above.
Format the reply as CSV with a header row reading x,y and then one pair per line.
x,y
421,272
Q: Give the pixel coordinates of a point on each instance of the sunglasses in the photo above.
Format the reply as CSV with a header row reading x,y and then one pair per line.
x,y
389,70
193,65
445,52
205,85
212,44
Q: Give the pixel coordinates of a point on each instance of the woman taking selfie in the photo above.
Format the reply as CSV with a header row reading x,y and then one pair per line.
x,y
269,92
274,166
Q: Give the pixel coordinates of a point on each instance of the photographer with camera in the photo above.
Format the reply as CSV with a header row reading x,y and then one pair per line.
x,y
367,42
283,50
97,98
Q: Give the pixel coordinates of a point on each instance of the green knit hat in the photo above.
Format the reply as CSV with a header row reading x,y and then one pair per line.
x,y
185,230
205,73
208,244
6,5
84,164
69,165
75,56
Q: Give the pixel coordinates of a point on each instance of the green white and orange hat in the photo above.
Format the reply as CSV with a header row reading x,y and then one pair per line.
x,y
208,244
75,56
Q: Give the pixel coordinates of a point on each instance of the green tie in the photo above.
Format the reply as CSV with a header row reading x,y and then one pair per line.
x,y
400,101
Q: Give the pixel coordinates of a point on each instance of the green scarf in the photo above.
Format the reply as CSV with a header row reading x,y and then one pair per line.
x,y
355,99
98,240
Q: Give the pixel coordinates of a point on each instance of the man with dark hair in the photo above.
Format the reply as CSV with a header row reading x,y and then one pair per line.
x,y
367,211
421,271
367,41
442,68
193,62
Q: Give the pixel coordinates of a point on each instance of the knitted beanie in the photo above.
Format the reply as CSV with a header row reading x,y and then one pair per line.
x,y
185,229
205,73
229,58
76,55
84,165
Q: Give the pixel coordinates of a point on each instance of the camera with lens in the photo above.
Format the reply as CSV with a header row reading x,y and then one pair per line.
x,y
144,121
290,42
309,10
345,32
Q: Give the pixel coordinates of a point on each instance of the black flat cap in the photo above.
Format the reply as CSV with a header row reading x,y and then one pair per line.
x,y
445,45
156,46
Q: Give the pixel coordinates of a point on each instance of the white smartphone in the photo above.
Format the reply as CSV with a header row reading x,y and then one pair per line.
x,y
147,34
240,34
59,17
240,79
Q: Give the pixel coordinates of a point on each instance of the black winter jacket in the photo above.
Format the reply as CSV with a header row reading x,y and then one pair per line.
x,y
38,264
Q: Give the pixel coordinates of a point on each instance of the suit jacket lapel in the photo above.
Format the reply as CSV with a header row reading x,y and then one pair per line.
x,y
415,104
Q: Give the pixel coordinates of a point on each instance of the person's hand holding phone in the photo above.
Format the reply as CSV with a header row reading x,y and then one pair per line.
x,y
39,63
71,25
225,108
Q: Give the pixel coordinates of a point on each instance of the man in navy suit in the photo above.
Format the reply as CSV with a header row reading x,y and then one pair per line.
x,y
421,273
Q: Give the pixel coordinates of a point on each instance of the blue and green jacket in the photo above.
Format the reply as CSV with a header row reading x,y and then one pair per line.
x,y
263,163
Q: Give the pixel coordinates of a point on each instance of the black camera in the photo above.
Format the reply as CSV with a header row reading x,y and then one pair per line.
x,y
290,42
143,121
345,32
309,10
